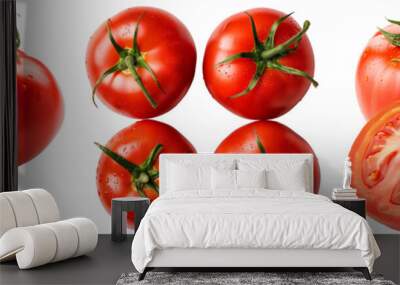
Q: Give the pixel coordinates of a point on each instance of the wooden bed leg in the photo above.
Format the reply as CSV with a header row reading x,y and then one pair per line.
x,y
364,271
143,274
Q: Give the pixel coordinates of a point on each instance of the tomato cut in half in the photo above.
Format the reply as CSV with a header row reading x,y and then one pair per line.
x,y
268,137
375,156
128,165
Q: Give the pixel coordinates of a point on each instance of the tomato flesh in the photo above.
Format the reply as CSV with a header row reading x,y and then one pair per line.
x,y
375,156
382,157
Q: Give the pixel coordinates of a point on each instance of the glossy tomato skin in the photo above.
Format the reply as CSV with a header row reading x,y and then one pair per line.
x,y
40,107
276,92
375,156
275,137
167,47
378,75
135,143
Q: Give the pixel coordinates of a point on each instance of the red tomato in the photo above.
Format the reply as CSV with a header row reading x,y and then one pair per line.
x,y
268,137
129,163
259,74
375,157
378,73
147,75
40,107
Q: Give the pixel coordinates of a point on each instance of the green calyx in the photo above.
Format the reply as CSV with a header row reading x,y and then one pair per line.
x,y
260,145
130,59
143,175
394,39
266,55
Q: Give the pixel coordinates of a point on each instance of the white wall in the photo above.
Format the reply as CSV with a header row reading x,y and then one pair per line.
x,y
57,32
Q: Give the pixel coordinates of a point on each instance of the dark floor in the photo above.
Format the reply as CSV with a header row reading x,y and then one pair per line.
x,y
103,266
110,260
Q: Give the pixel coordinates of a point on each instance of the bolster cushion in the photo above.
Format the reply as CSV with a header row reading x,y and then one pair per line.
x,y
26,208
40,244
7,220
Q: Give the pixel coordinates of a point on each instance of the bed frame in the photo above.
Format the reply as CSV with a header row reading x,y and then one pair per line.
x,y
250,259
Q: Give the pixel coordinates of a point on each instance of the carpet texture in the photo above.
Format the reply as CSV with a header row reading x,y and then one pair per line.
x,y
243,278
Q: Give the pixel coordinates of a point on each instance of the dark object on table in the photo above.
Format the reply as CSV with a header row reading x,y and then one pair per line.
x,y
119,209
357,205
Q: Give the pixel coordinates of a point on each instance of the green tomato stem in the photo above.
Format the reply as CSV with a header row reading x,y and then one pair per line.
x,y
131,59
267,55
394,39
142,175
273,52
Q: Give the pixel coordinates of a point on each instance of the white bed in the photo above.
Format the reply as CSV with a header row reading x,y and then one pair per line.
x,y
248,227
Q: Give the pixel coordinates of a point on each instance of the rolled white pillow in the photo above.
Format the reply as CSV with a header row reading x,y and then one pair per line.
x,y
7,220
87,234
67,239
45,205
23,208
32,246
40,244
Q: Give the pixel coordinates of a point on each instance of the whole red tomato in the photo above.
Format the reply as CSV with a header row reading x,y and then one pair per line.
x,y
141,62
375,157
378,71
259,64
129,163
268,137
40,107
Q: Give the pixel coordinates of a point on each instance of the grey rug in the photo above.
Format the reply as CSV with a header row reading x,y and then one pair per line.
x,y
269,278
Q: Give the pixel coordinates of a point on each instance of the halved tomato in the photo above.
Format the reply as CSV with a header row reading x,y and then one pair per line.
x,y
375,156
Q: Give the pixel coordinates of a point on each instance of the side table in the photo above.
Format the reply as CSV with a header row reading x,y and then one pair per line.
x,y
119,209
357,205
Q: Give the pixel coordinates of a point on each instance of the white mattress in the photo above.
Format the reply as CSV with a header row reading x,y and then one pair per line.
x,y
250,219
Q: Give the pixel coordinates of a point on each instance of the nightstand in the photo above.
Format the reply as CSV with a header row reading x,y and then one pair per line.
x,y
119,209
357,205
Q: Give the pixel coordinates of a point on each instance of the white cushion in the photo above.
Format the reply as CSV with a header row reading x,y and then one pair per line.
x,y
236,179
67,239
27,208
184,175
251,178
7,218
281,175
45,205
87,233
223,179
31,233
32,246
293,178
23,208
40,244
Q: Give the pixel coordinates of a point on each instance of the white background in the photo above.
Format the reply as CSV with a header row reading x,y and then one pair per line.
x,y
329,118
